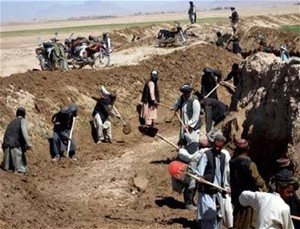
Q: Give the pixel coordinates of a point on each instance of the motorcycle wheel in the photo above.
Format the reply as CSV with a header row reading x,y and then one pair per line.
x,y
101,62
63,65
182,40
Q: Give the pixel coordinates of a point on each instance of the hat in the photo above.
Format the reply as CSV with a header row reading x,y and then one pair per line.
x,y
241,143
154,75
186,88
21,112
232,8
283,162
285,177
207,70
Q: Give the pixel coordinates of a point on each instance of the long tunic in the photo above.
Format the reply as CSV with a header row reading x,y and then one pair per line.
x,y
191,122
208,212
149,112
272,211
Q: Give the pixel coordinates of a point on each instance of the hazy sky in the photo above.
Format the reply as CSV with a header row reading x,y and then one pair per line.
x,y
26,10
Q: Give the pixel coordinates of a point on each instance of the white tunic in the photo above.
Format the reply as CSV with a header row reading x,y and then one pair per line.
x,y
273,212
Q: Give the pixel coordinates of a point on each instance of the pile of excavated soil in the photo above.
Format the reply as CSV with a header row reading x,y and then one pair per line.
x,y
270,98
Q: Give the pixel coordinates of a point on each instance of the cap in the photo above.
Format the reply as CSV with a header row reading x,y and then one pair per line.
x,y
285,177
283,162
21,112
207,70
241,143
186,88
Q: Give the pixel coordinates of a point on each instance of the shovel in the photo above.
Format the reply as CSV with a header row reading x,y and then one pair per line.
x,y
152,132
70,137
178,170
126,126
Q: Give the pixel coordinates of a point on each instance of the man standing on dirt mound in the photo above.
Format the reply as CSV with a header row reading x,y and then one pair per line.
x,y
189,107
234,18
102,113
62,132
15,143
150,100
192,13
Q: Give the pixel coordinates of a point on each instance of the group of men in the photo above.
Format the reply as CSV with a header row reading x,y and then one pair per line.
x,y
237,196
245,203
234,17
62,144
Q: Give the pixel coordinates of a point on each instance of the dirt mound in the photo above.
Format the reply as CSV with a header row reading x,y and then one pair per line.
x,y
270,99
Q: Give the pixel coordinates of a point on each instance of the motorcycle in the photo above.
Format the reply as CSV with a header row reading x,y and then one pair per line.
x,y
51,56
83,52
176,35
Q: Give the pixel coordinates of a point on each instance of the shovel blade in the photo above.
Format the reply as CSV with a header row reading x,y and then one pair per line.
x,y
149,131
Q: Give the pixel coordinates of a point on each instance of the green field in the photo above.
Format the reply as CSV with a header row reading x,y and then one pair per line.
x,y
292,28
109,27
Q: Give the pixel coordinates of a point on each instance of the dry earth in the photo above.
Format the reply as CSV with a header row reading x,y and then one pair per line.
x,y
98,190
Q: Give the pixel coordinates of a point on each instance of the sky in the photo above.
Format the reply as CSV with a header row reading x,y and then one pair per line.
x,y
28,10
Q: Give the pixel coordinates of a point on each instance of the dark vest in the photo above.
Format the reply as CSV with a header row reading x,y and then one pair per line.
x,y
146,98
209,172
189,110
240,177
100,109
13,136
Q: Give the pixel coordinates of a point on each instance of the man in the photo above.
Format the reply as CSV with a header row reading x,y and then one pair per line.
x,y
243,176
63,122
192,13
102,113
271,208
212,167
189,107
236,48
209,81
215,111
237,76
15,143
106,43
150,100
220,40
235,73
234,18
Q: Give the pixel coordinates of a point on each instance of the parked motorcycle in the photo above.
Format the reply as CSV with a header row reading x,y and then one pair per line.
x,y
83,52
51,56
173,36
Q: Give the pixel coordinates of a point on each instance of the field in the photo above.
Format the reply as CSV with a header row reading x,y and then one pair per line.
x,y
100,190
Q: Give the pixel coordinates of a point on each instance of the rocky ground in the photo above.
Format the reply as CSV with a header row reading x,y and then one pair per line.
x,y
126,185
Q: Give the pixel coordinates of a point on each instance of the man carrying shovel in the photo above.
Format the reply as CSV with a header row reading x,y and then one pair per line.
x,y
189,107
62,132
102,114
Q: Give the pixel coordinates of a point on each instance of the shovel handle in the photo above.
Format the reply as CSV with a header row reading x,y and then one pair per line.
x,y
70,136
122,120
168,141
180,120
295,217
229,84
165,106
206,182
215,88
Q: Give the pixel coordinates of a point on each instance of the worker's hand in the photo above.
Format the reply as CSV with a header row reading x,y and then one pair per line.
x,y
228,190
186,127
27,147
